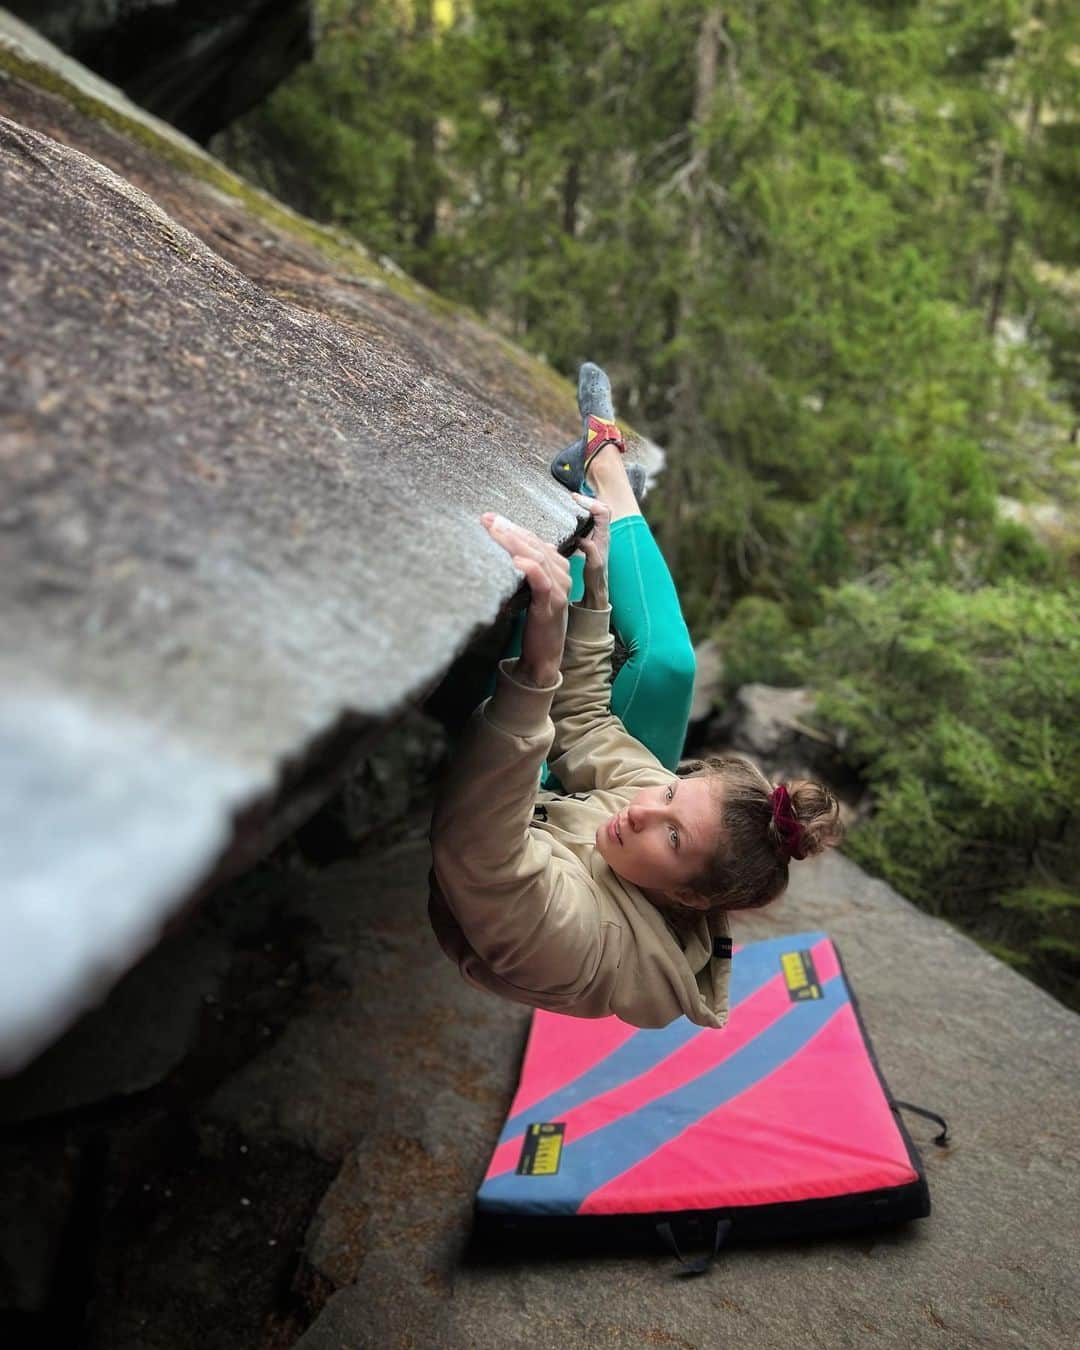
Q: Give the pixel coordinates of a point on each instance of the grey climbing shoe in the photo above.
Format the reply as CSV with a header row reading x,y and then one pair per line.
x,y
594,393
594,400
599,429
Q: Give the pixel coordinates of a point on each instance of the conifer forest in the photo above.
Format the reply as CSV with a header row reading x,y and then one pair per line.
x,y
830,255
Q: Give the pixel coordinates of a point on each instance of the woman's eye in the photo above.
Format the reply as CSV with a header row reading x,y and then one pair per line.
x,y
670,792
673,835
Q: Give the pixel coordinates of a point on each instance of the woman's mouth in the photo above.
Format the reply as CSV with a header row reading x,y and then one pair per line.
x,y
613,830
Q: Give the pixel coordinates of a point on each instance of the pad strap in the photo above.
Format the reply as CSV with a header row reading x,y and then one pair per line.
x,y
941,1139
699,1266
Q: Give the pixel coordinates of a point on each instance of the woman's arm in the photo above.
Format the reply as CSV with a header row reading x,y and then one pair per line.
x,y
548,575
514,905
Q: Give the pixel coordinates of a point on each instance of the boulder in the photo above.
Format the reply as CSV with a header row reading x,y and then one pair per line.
x,y
241,469
138,1035
761,718
708,681
195,64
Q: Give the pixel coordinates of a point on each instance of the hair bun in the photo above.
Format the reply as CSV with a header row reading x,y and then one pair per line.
x,y
817,812
786,831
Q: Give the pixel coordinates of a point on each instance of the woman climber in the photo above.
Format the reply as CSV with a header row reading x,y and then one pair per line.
x,y
607,890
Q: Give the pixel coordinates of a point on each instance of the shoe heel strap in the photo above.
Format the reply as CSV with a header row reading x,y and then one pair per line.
x,y
599,432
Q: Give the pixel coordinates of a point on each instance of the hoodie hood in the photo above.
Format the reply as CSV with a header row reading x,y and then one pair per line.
x,y
663,976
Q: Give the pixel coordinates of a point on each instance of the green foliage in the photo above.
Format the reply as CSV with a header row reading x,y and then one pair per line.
x,y
351,138
758,643
1015,552
963,711
798,267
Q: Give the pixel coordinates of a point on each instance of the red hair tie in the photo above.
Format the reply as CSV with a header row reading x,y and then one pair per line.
x,y
788,829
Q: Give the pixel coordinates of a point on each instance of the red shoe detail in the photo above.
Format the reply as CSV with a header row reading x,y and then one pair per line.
x,y
601,433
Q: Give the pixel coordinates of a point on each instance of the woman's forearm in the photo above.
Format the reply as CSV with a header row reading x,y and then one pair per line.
x,y
596,595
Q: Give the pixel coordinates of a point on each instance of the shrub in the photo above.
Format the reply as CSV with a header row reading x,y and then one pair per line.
x,y
758,642
962,710
1015,552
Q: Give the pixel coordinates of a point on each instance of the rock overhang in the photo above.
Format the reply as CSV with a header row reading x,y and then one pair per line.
x,y
242,468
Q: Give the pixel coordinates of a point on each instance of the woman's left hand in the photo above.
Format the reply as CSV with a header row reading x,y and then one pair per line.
x,y
595,547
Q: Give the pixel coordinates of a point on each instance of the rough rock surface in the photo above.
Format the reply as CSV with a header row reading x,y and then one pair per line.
x,y
380,1065
708,677
136,1037
954,1030
761,717
240,474
196,64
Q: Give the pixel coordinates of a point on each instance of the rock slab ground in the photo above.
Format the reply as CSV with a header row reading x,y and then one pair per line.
x,y
954,1029
305,1175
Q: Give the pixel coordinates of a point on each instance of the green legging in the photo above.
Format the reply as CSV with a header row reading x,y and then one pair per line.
x,y
652,692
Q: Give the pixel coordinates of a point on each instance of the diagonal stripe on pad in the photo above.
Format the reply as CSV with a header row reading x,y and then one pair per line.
x,y
753,967
603,1155
818,1126
556,1057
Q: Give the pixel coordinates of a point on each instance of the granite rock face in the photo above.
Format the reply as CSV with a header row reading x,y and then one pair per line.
x,y
762,718
241,469
197,64
708,682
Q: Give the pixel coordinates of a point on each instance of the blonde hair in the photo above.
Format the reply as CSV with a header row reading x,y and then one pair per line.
x,y
750,867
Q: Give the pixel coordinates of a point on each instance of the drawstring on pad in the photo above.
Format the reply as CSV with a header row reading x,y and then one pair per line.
x,y
702,1263
941,1139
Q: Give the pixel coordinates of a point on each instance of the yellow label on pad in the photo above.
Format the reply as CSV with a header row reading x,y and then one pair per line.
x,y
800,976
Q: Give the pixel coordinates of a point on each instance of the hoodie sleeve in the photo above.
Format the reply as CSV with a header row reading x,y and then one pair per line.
x,y
527,914
591,748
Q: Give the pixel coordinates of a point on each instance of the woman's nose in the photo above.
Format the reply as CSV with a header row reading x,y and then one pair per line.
x,y
638,816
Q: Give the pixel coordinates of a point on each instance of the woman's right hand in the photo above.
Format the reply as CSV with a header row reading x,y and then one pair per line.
x,y
548,575
595,547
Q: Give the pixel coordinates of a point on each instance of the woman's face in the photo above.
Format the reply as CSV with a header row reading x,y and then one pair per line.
x,y
666,836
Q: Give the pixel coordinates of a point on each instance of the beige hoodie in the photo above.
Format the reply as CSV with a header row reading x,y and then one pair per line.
x,y
521,898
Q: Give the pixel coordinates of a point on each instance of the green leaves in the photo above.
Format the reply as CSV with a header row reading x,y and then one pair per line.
x,y
759,643
963,712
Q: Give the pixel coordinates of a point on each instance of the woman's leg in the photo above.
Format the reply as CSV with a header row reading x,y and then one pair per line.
x,y
654,689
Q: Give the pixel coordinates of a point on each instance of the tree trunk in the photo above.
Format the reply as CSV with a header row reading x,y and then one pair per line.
x,y
686,412
425,169
571,192
1011,228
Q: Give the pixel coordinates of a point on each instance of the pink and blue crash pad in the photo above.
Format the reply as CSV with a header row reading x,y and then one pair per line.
x,y
780,1124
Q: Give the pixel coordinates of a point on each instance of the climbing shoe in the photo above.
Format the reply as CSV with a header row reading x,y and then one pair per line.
x,y
599,428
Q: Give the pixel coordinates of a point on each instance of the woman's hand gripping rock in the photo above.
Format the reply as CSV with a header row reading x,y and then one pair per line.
x,y
548,575
595,547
